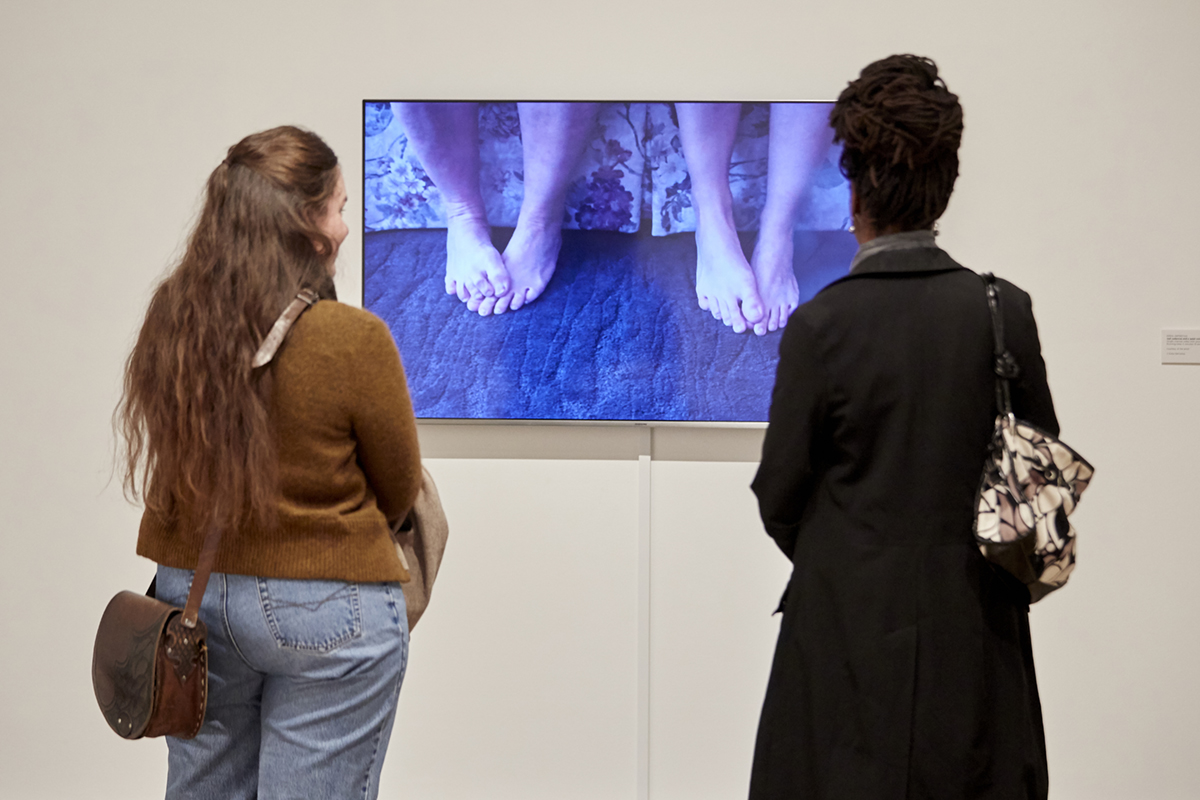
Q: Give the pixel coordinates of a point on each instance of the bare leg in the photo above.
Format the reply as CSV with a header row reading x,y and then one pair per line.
x,y
445,137
724,281
800,138
553,137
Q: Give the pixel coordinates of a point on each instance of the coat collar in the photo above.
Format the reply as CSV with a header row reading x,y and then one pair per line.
x,y
924,259
892,243
899,260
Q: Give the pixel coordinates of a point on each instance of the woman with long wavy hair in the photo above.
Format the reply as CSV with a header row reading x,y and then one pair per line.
x,y
303,463
904,667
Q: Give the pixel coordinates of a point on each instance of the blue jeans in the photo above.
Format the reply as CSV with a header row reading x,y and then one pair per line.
x,y
303,676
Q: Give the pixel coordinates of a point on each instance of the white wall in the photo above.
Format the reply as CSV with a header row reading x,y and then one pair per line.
x,y
1079,176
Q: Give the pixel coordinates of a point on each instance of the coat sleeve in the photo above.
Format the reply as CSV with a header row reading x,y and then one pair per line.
x,y
1031,399
786,476
384,427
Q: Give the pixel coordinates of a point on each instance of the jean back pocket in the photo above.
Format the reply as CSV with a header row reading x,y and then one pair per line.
x,y
314,616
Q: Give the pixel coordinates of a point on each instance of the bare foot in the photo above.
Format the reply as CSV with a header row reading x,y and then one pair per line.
x,y
474,270
776,278
725,284
530,258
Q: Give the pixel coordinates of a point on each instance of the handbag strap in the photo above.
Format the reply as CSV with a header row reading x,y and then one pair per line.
x,y
208,557
303,300
1005,366
266,351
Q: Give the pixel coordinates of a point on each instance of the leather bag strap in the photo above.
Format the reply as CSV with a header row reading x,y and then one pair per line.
x,y
1005,366
208,557
303,300
270,345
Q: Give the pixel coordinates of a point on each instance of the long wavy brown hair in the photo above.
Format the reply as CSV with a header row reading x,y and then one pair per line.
x,y
199,447
900,128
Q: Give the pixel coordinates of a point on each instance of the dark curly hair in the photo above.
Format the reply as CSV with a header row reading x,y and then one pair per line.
x,y
900,128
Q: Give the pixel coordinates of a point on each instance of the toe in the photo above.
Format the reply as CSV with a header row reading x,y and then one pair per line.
x,y
497,278
735,319
752,308
485,307
502,303
534,292
724,314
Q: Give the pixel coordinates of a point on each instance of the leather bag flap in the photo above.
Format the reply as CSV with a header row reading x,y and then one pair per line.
x,y
123,660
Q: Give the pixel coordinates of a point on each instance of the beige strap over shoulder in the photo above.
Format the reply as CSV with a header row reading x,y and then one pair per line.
x,y
275,337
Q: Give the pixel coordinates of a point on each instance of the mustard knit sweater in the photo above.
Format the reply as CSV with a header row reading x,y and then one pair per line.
x,y
348,460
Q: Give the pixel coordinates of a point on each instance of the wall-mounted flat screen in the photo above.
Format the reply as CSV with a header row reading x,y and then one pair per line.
x,y
587,261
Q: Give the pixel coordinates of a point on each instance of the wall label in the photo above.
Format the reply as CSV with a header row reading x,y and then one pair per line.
x,y
1181,346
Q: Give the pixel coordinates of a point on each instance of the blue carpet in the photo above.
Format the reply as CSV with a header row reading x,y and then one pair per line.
x,y
616,336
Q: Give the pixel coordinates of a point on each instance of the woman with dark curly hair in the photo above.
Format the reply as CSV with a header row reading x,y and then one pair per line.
x,y
903,667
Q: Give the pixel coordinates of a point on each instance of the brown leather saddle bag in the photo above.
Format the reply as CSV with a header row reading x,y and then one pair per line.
x,y
149,670
150,661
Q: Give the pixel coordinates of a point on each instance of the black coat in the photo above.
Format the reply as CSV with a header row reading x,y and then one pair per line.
x,y
903,667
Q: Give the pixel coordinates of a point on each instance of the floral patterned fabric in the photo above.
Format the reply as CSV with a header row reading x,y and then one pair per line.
x,y
605,193
828,203
633,169
1030,484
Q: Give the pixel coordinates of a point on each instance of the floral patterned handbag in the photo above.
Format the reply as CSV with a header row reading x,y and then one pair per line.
x,y
1031,483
